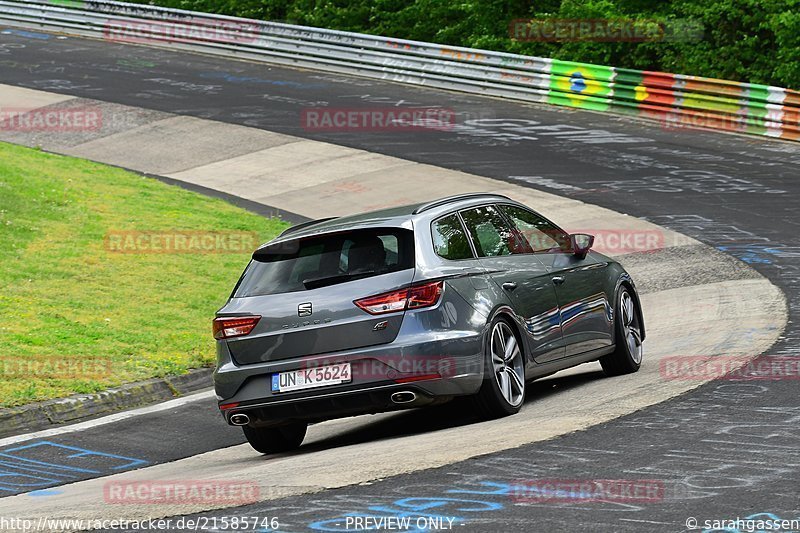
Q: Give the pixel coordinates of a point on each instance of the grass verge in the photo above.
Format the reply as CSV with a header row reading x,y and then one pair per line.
x,y
85,303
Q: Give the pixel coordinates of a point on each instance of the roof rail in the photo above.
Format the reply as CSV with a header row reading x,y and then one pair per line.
x,y
455,198
304,225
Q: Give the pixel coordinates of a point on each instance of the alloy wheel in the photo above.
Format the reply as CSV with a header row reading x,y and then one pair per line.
x,y
630,327
507,363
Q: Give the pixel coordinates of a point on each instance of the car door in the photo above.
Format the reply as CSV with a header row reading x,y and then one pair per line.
x,y
522,278
586,317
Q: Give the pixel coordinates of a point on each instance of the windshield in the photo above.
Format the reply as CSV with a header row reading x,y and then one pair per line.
x,y
325,260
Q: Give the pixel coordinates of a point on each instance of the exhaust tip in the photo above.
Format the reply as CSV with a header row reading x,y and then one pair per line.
x,y
240,419
402,397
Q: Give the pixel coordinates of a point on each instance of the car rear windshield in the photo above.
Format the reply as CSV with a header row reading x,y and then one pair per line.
x,y
326,260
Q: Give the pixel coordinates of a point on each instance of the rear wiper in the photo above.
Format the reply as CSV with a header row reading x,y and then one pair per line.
x,y
315,283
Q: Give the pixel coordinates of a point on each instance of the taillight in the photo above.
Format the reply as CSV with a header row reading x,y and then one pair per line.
x,y
425,295
234,326
416,297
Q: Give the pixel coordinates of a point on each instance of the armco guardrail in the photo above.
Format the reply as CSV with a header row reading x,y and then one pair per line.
x,y
676,100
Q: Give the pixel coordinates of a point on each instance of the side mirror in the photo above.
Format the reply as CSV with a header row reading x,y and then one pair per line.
x,y
581,244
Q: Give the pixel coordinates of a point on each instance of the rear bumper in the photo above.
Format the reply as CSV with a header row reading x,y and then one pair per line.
x,y
377,399
433,370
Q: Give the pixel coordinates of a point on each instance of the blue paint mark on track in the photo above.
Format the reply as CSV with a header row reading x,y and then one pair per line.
x,y
40,464
419,514
29,34
44,492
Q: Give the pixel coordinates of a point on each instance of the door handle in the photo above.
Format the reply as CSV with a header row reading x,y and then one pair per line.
x,y
558,280
509,285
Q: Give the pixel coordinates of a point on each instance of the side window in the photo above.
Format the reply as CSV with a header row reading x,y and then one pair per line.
x,y
541,234
449,239
490,232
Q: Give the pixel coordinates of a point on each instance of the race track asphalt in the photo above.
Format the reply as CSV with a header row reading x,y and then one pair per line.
x,y
725,450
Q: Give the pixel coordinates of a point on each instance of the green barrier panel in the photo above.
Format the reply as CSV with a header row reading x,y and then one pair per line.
x,y
581,85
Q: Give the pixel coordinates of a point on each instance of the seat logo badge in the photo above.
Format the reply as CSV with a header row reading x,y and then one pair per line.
x,y
304,309
380,325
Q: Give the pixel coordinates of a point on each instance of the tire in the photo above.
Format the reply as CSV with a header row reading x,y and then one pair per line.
x,y
503,390
276,439
627,355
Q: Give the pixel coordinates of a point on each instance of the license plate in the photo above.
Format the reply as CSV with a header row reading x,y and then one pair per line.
x,y
309,378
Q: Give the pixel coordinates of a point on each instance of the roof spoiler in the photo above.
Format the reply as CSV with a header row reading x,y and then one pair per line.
x,y
302,225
